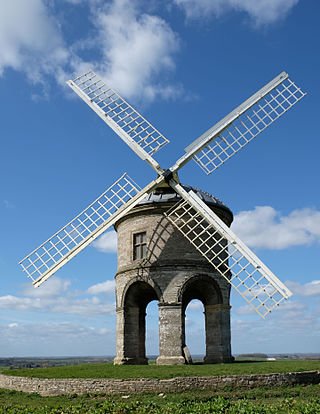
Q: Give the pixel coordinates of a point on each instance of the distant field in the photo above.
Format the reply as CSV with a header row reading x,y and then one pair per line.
x,y
42,362
108,370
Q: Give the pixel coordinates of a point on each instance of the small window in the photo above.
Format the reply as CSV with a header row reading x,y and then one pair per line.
x,y
139,246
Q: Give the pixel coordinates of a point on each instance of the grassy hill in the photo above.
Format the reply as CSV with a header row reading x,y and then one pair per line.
x,y
302,399
108,370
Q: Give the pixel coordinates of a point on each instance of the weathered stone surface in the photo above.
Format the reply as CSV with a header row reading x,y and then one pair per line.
x,y
173,273
126,386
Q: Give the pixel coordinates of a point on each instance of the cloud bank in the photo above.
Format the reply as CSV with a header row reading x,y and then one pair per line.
x,y
134,50
137,50
56,297
107,243
309,289
107,287
56,338
261,12
264,227
31,40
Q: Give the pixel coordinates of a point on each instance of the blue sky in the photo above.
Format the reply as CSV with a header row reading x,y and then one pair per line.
x,y
184,64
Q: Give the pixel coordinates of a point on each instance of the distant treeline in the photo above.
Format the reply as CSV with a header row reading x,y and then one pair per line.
x,y
17,363
255,355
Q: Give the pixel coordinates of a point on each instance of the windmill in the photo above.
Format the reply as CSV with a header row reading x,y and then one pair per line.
x,y
234,261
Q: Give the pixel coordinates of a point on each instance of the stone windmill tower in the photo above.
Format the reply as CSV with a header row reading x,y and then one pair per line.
x,y
155,262
175,243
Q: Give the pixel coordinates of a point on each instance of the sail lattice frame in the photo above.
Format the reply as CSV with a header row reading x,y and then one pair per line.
x,y
230,257
248,125
108,102
84,228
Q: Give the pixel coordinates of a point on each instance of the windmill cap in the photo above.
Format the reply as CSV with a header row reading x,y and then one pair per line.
x,y
168,195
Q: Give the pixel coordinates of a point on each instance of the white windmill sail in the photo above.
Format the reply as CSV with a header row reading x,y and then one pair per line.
x,y
203,228
115,202
227,253
237,129
131,127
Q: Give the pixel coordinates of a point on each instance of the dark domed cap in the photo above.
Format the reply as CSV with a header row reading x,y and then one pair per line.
x,y
168,195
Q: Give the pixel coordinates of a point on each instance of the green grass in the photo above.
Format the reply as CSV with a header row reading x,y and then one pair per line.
x,y
108,370
280,400
263,400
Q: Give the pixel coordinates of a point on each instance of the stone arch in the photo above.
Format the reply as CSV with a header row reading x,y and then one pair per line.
x,y
136,296
201,287
148,285
217,316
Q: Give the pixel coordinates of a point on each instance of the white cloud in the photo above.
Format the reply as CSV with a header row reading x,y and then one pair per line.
x,y
107,243
245,310
195,305
291,305
56,338
75,1
55,303
53,287
105,287
294,328
84,306
56,297
264,227
263,290
30,40
137,50
283,307
261,12
309,289
19,303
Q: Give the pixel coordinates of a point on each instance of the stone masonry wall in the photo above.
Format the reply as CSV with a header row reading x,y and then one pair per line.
x,y
173,272
46,387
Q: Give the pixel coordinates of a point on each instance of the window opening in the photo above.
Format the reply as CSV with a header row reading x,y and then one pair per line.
x,y
139,246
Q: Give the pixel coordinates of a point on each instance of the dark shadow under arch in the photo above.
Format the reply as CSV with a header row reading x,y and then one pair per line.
x,y
138,295
201,287
138,290
206,289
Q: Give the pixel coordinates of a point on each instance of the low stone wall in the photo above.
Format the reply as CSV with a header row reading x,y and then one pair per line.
x,y
119,386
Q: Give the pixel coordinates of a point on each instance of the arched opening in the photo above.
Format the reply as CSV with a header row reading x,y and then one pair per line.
x,y
152,330
205,289
195,330
137,298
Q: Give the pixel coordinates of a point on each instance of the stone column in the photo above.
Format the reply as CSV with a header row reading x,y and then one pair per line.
x,y
120,352
217,324
170,334
130,333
